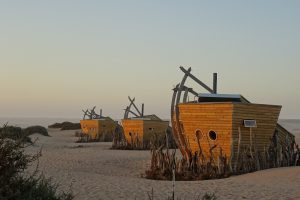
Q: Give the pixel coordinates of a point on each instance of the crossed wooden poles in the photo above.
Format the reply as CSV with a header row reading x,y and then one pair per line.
x,y
91,114
136,113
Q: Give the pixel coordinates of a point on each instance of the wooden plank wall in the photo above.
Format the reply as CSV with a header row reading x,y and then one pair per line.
x,y
90,127
107,126
151,127
283,135
206,117
266,117
135,127
95,127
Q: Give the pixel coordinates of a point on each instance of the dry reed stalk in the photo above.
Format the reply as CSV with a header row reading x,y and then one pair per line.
x,y
198,168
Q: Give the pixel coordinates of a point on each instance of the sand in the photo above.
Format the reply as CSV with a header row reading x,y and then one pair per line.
x,y
93,171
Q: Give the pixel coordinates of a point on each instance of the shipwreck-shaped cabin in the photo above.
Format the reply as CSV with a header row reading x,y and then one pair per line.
x,y
215,125
97,127
141,130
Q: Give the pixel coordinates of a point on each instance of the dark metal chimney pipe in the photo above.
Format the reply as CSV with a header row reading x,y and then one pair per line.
x,y
142,110
215,80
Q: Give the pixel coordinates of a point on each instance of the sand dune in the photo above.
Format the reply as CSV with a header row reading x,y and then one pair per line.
x,y
93,171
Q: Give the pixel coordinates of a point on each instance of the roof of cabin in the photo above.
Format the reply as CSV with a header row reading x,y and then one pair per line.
x,y
148,117
101,118
106,118
207,97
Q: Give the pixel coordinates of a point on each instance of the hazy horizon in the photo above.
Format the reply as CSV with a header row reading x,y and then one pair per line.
x,y
59,57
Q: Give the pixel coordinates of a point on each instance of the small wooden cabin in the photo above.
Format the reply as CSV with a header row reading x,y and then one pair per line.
x,y
140,130
223,124
97,127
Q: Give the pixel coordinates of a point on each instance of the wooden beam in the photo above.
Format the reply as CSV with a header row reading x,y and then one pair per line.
x,y
131,113
132,102
177,123
185,95
188,73
173,121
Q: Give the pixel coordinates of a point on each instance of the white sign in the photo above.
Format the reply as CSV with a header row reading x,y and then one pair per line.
x,y
250,123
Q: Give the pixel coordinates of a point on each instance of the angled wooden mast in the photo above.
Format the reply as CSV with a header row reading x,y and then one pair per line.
x,y
91,114
180,88
136,113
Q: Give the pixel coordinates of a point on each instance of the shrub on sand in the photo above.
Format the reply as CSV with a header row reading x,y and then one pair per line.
x,y
13,183
66,126
17,133
36,129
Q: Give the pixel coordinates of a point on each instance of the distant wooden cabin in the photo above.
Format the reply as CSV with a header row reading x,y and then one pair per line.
x,y
97,127
140,130
223,124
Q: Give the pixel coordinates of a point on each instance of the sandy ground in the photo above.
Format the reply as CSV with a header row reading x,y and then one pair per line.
x,y
93,171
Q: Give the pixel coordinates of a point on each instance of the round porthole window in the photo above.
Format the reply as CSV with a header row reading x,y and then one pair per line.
x,y
198,134
212,135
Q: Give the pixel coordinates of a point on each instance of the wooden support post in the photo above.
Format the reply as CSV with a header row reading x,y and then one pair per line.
x,y
185,95
175,130
251,143
256,153
167,140
238,151
180,131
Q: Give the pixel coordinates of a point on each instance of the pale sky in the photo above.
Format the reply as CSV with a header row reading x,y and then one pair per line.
x,y
59,57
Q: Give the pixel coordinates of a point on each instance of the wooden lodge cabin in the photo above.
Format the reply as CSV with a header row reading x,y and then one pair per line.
x,y
140,130
224,124
223,121
97,127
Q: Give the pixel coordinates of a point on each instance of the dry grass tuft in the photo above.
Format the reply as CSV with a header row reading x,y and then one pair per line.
x,y
199,167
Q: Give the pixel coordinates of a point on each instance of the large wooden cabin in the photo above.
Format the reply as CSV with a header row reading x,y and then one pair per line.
x,y
216,125
209,126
